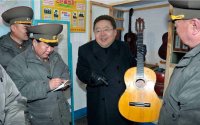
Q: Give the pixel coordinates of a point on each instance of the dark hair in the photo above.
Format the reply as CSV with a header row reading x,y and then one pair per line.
x,y
105,17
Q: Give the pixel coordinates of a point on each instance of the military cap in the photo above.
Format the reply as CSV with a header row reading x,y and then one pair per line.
x,y
185,9
18,15
47,33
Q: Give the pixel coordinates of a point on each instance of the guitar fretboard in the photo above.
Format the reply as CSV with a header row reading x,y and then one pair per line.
x,y
140,56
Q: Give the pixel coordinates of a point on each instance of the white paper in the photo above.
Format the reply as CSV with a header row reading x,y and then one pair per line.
x,y
65,84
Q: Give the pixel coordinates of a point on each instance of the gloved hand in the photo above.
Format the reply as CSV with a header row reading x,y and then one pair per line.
x,y
97,79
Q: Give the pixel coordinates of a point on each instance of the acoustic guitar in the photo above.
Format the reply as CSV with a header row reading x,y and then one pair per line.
x,y
162,52
139,102
131,37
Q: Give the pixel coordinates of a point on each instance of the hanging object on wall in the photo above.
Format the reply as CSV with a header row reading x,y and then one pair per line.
x,y
139,102
131,37
162,52
65,10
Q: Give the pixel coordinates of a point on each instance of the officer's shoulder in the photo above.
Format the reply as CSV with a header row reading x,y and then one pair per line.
x,y
18,58
2,38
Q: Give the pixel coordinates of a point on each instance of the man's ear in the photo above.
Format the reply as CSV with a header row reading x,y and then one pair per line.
x,y
12,27
115,30
34,42
196,26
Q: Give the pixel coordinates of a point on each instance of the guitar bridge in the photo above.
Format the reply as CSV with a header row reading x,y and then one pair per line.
x,y
139,104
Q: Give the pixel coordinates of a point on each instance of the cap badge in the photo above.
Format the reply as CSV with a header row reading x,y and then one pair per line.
x,y
177,17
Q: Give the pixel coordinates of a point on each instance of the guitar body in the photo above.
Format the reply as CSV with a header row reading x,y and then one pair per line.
x,y
147,104
162,52
131,38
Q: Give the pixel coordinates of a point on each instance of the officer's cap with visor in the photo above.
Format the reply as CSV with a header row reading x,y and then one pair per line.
x,y
185,9
18,15
47,33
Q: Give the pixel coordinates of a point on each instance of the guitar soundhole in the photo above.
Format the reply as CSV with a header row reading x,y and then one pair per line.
x,y
140,83
128,39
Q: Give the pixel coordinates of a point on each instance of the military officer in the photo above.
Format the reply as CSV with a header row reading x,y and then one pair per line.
x,y
37,72
181,103
14,42
11,101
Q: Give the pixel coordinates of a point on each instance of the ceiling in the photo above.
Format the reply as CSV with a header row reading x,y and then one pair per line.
x,y
123,3
111,2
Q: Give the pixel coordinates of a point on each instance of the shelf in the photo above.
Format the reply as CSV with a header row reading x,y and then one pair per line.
x,y
118,15
121,19
120,29
179,51
176,57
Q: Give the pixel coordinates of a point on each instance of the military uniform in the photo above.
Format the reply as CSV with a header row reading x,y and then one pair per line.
x,y
11,101
181,104
32,75
8,47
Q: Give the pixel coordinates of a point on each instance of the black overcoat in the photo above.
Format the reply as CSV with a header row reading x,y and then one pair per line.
x,y
102,101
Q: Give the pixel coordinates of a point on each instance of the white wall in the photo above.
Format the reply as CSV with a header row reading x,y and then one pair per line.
x,y
97,11
156,24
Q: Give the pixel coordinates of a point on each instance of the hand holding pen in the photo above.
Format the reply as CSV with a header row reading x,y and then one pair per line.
x,y
57,83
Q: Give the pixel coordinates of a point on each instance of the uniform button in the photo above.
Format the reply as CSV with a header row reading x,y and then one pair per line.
x,y
175,116
103,99
31,116
164,103
119,82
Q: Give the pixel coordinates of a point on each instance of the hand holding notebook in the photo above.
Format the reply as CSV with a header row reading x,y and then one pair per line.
x,y
65,84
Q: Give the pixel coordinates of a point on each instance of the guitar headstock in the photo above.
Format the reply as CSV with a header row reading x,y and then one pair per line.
x,y
139,25
131,12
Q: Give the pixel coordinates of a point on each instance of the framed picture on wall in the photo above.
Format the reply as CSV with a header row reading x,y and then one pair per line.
x,y
177,42
185,47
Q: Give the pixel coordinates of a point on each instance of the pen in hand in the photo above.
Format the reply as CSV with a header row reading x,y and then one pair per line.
x,y
49,77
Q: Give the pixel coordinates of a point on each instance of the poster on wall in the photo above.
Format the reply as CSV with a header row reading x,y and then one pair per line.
x,y
66,10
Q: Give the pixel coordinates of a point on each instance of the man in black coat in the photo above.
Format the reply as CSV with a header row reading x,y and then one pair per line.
x,y
101,65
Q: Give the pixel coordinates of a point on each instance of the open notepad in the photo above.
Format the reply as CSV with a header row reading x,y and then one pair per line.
x,y
64,85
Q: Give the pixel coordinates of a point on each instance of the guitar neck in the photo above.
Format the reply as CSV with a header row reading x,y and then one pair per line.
x,y
140,56
129,25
